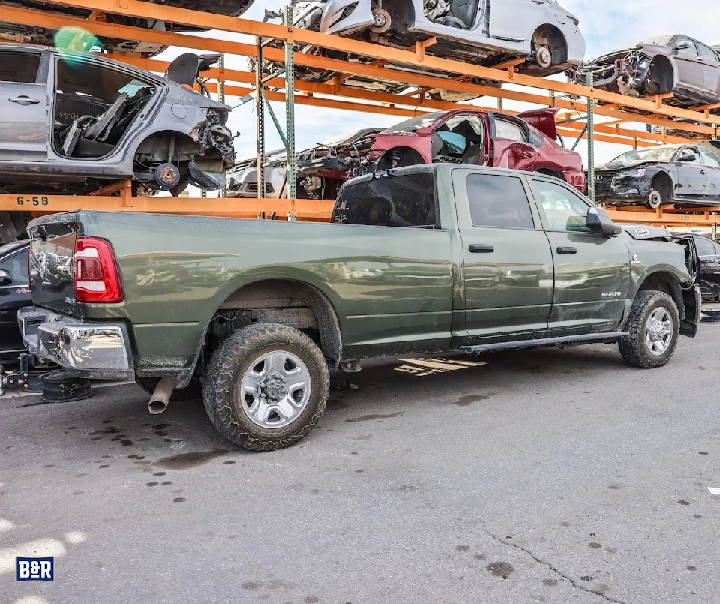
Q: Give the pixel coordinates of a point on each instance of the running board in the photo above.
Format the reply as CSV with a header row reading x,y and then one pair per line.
x,y
593,337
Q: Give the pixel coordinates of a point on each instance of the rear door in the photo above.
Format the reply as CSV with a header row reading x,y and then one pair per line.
x,y
24,116
712,170
592,272
506,259
709,59
510,144
691,66
692,175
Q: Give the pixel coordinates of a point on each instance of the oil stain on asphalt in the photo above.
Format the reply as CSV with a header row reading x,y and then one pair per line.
x,y
469,399
368,418
184,461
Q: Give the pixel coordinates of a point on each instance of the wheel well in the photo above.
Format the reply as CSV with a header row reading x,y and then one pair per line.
x,y
663,183
156,146
661,74
408,157
550,36
283,301
402,13
668,283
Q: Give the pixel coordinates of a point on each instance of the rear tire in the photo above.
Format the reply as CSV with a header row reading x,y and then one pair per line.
x,y
266,387
653,329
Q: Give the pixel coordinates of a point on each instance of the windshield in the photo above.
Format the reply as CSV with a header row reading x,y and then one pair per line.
x,y
416,123
657,41
656,154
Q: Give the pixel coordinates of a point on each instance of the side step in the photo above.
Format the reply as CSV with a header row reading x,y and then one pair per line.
x,y
593,337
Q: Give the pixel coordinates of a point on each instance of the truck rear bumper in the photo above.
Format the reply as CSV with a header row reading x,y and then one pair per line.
x,y
83,348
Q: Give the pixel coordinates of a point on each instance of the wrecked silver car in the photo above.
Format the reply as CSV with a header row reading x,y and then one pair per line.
x,y
674,64
75,122
81,41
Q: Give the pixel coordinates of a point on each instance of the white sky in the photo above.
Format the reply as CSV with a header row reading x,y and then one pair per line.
x,y
606,24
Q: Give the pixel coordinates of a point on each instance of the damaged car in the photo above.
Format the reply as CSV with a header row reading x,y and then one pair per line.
x,y
656,176
79,40
76,122
464,136
540,32
677,64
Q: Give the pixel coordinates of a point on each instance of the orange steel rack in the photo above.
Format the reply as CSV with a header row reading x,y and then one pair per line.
x,y
382,62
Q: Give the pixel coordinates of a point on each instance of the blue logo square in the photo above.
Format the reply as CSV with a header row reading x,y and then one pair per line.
x,y
34,569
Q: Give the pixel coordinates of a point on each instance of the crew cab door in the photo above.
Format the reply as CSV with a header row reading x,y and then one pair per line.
x,y
692,174
24,119
507,267
517,19
592,272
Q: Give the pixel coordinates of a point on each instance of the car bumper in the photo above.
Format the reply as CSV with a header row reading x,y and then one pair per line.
x,y
622,191
83,348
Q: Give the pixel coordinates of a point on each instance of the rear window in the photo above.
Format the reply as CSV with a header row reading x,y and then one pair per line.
x,y
394,201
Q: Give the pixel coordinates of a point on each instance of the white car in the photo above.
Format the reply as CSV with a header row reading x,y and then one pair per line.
x,y
480,32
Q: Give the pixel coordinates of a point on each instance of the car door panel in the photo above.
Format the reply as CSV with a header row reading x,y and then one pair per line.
x,y
591,271
692,181
690,67
507,270
517,19
712,170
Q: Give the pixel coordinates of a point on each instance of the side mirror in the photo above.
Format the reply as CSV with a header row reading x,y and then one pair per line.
x,y
599,221
5,278
684,45
687,156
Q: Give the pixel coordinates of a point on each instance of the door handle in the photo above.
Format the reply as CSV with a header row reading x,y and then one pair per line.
x,y
477,248
24,99
567,250
702,171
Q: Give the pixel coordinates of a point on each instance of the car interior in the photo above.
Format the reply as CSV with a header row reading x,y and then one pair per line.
x,y
94,107
459,139
453,13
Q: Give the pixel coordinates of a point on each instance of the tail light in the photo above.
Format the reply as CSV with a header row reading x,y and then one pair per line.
x,y
96,274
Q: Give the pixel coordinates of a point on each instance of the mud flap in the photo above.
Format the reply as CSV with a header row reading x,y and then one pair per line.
x,y
693,307
208,181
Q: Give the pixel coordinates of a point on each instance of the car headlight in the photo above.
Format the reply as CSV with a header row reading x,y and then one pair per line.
x,y
637,173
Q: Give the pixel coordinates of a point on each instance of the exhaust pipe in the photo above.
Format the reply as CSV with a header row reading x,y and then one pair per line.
x,y
160,399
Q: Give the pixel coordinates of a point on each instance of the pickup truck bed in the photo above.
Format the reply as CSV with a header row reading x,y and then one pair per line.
x,y
422,259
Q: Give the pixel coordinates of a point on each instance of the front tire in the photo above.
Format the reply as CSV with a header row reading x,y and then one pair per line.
x,y
653,330
266,387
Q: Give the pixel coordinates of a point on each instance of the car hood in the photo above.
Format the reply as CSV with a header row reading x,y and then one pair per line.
x,y
611,167
542,120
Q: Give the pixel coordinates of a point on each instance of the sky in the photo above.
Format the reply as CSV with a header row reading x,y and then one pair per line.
x,y
606,25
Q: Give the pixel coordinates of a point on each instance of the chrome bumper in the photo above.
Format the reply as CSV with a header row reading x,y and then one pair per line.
x,y
88,349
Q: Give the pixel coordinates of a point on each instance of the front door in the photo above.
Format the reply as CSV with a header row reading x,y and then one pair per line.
x,y
23,106
592,272
517,19
506,259
692,175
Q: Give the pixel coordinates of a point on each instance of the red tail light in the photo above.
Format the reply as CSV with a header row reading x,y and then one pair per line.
x,y
96,274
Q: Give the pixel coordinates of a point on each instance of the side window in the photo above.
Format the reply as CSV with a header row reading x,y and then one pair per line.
x,y
17,265
19,67
709,159
509,130
498,201
690,44
704,246
706,52
564,210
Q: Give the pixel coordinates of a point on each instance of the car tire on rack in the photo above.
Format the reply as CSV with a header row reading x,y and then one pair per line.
x,y
266,387
653,329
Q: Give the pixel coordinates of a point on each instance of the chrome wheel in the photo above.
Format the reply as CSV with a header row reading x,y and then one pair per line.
x,y
659,331
275,390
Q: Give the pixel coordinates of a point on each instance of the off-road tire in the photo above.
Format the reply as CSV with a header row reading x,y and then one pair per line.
x,y
192,392
228,365
632,347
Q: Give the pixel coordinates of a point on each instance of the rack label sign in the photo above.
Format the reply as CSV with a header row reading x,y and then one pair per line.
x,y
34,201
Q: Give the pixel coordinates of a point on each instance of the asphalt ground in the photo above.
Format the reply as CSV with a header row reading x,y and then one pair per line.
x,y
555,475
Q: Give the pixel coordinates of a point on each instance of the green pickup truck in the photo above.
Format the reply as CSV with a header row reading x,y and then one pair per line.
x,y
416,260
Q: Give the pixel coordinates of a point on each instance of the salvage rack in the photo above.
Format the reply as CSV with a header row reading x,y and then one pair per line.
x,y
578,104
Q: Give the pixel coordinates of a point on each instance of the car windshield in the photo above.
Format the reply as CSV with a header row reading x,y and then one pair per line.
x,y
416,123
657,41
656,154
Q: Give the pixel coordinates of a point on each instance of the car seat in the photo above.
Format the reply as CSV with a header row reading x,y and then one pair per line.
x,y
462,13
474,155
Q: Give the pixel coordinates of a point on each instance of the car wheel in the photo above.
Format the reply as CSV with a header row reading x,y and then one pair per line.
x,y
266,387
543,57
653,328
655,199
167,176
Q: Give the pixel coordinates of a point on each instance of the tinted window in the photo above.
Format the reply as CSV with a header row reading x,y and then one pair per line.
x,y
396,201
498,201
16,264
564,210
704,246
709,159
19,67
509,130
706,52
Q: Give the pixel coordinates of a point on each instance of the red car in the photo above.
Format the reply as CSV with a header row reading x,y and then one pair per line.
x,y
523,142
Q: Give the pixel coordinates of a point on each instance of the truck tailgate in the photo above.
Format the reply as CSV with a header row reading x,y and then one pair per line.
x,y
51,262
